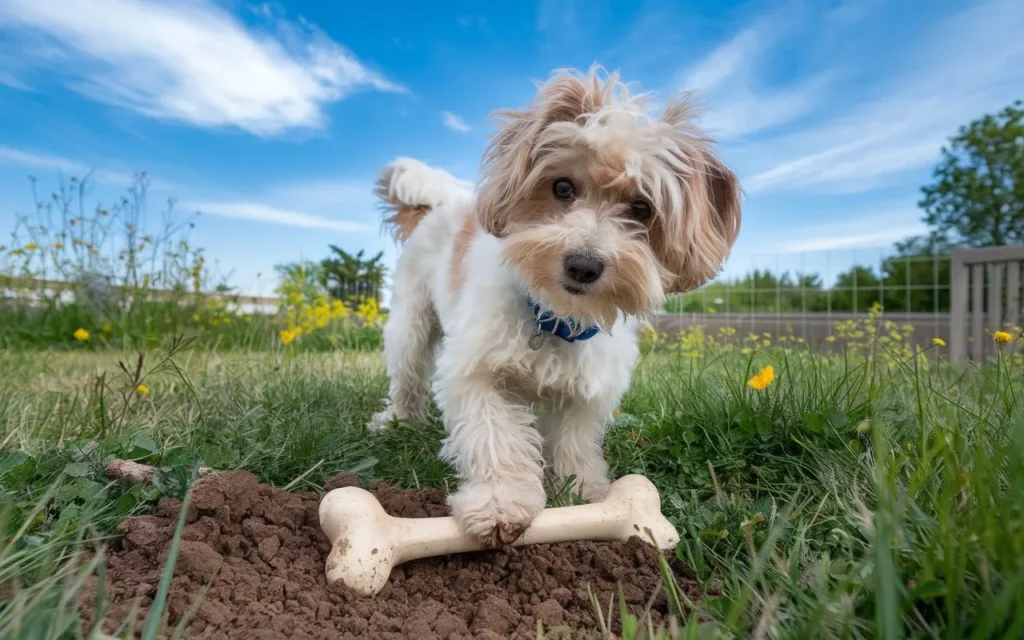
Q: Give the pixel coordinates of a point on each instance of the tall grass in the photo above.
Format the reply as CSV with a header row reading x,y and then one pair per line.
x,y
858,495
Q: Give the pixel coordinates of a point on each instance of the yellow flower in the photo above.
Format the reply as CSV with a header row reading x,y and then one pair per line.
x,y
1002,337
830,339
58,245
17,252
31,246
939,342
142,389
762,379
81,335
195,318
107,328
287,336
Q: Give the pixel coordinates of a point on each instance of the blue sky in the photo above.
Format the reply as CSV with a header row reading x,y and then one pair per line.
x,y
272,118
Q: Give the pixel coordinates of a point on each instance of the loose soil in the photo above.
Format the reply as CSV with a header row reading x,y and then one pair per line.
x,y
262,553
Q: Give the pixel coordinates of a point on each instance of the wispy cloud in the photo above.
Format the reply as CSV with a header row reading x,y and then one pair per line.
x,y
730,81
454,122
191,62
260,212
959,68
49,162
852,241
313,195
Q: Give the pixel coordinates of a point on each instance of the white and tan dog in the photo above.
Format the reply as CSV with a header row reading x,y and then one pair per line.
x,y
520,304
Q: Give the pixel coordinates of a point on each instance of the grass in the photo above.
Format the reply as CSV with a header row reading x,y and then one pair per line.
x,y
855,496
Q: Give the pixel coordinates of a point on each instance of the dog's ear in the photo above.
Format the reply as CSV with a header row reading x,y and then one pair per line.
x,y
512,152
696,236
705,240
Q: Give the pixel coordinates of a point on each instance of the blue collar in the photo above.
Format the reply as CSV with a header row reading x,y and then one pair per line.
x,y
565,328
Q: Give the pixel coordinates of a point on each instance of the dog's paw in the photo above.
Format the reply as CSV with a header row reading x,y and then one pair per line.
x,y
382,420
497,513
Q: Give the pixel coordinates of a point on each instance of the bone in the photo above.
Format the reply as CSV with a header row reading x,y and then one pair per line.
x,y
367,542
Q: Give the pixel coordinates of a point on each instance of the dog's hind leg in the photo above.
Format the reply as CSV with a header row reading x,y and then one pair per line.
x,y
410,334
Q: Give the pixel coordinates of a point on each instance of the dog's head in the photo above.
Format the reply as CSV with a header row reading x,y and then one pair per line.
x,y
602,207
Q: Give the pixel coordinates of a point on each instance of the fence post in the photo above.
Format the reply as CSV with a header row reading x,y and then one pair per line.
x,y
958,307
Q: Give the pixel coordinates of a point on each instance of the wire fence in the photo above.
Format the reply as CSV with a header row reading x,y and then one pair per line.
x,y
812,297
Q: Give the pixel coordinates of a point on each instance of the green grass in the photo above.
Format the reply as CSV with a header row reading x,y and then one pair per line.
x,y
854,497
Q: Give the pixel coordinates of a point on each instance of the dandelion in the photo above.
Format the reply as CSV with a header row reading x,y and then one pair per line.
x,y
939,342
287,336
81,335
762,379
142,390
1002,337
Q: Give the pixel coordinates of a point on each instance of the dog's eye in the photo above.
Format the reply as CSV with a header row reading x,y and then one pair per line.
x,y
640,210
564,189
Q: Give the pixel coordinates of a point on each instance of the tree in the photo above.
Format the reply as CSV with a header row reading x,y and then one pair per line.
x,y
917,278
299,279
977,198
349,277
855,290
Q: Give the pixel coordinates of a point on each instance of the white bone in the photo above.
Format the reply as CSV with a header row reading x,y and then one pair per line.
x,y
366,542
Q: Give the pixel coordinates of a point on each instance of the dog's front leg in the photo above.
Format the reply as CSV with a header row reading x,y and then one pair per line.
x,y
577,434
496,451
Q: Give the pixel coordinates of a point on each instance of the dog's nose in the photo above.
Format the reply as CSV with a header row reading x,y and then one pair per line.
x,y
582,268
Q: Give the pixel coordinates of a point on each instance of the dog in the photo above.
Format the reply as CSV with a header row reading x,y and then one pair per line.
x,y
517,303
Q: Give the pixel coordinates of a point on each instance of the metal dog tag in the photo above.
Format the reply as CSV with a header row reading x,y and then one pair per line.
x,y
537,340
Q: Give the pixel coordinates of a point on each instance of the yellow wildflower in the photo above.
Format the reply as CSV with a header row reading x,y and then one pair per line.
x,y
287,336
830,339
762,379
31,246
939,342
142,389
107,328
1002,337
81,335
58,245
195,318
17,252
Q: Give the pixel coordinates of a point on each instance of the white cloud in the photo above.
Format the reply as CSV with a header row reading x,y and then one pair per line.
x,y
730,81
963,66
853,241
454,122
260,212
192,62
313,195
50,162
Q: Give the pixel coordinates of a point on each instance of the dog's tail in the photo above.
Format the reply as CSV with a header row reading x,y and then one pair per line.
x,y
410,189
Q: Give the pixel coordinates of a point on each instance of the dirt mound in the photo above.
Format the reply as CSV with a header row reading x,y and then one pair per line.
x,y
262,552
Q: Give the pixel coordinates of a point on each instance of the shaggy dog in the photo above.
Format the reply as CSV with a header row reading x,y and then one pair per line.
x,y
519,306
